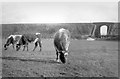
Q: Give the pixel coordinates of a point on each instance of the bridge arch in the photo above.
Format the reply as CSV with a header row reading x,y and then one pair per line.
x,y
98,31
103,30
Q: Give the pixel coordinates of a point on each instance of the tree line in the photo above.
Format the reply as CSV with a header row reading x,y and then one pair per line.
x,y
77,30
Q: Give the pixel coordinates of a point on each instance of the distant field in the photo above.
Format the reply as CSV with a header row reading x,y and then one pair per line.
x,y
86,59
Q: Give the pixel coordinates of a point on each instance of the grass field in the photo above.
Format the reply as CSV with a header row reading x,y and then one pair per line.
x,y
86,59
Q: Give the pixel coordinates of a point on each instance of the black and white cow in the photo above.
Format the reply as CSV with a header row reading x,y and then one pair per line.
x,y
29,38
12,39
61,44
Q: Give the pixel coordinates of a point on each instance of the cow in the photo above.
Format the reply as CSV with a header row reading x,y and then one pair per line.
x,y
12,39
61,44
29,38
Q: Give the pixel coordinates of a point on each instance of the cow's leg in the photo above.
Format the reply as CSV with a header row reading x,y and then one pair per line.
x,y
57,55
40,45
27,47
36,44
23,47
57,58
13,46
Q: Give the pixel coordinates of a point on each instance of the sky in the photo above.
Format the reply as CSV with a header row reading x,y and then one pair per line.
x,y
59,12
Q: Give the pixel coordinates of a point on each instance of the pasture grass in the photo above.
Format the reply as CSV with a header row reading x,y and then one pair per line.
x,y
86,59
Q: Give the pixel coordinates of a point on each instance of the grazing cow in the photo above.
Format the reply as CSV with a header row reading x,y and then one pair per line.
x,y
61,44
12,39
29,38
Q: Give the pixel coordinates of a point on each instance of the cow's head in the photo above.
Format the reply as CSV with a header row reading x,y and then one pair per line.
x,y
8,42
6,46
63,56
18,46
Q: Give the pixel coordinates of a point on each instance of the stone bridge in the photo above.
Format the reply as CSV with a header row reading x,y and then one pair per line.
x,y
105,27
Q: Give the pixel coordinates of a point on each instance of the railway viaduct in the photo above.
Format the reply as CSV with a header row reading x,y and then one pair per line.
x,y
96,30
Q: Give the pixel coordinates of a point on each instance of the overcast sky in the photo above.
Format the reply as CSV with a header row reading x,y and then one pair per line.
x,y
66,12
